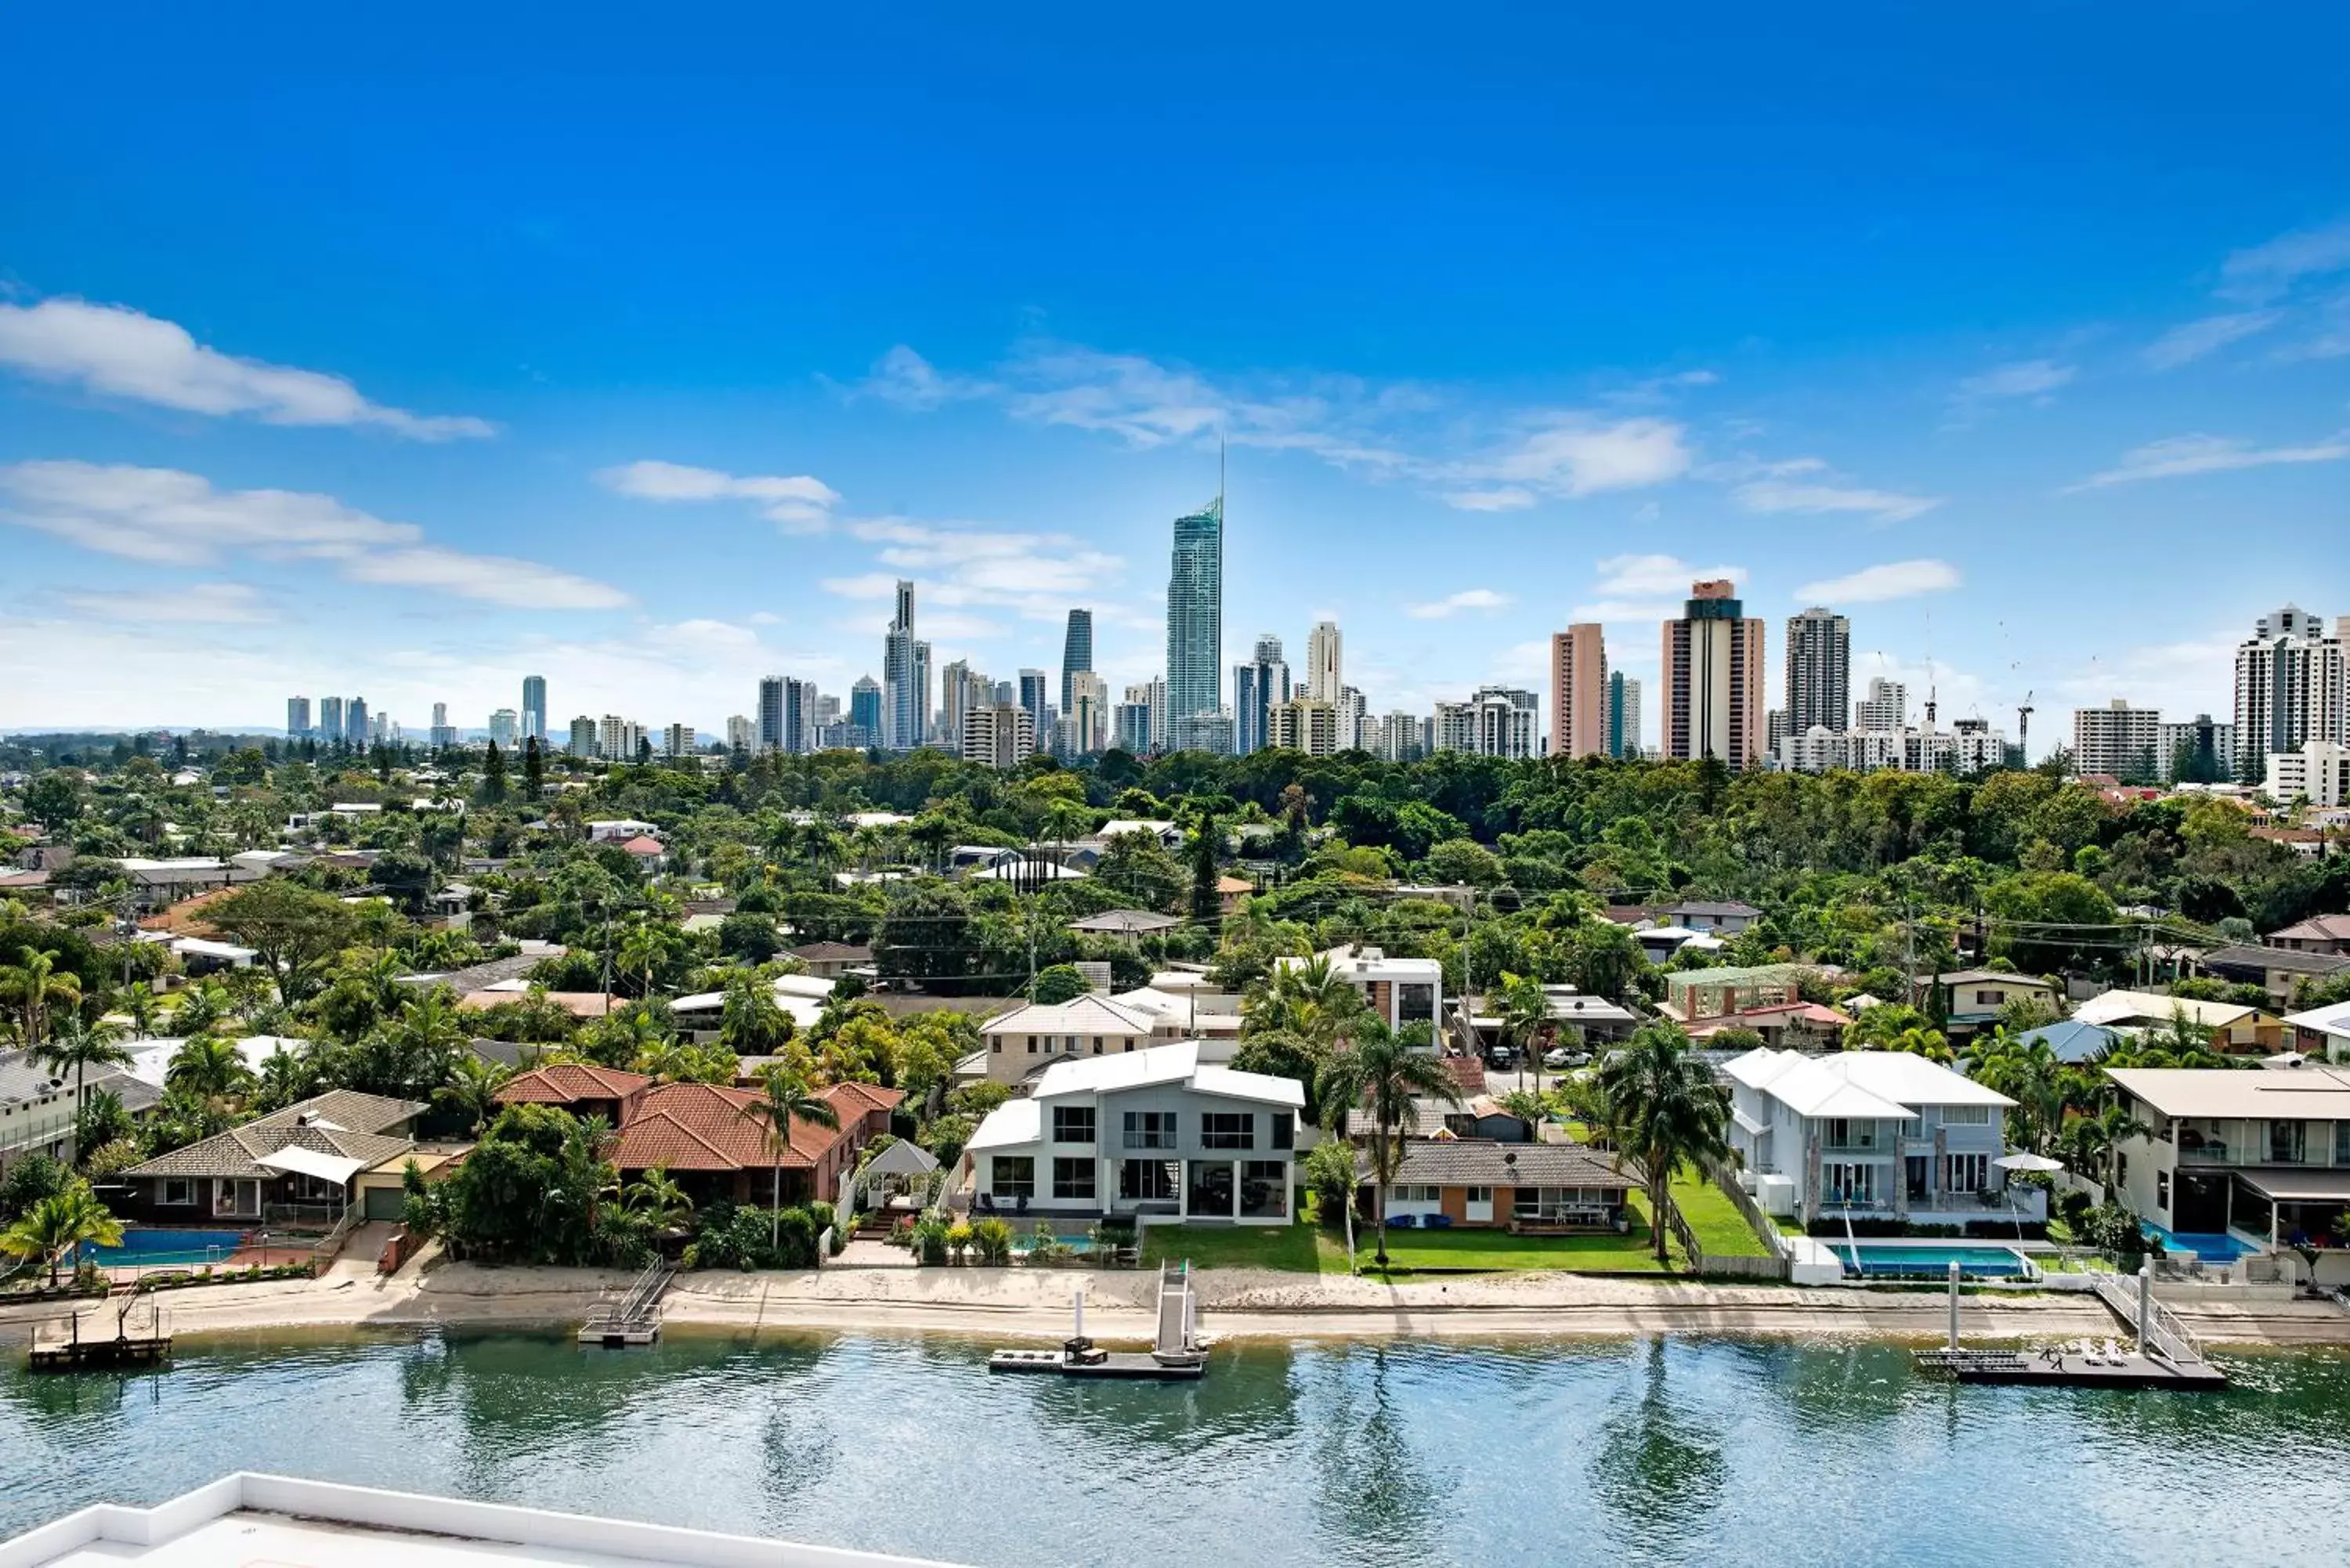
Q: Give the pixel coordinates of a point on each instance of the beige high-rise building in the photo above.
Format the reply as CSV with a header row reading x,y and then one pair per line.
x,y
1305,724
1713,679
1324,661
1000,735
2118,740
1089,714
1578,692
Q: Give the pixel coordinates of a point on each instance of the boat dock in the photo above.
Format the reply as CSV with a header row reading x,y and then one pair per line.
x,y
65,1345
633,1317
2162,1354
1176,1354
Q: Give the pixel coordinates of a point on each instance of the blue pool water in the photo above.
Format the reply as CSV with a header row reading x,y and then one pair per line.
x,y
1934,1262
2211,1249
150,1246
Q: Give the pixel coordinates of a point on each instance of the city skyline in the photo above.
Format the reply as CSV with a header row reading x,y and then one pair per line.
x,y
478,419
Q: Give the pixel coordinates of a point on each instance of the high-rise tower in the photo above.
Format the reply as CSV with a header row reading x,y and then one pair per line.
x,y
1713,679
902,699
1325,662
1819,671
1195,632
533,708
1076,654
1578,692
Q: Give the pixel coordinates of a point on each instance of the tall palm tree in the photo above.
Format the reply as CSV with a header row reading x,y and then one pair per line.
x,y
653,1194
1526,1022
59,1224
208,1068
38,987
473,1088
1384,1075
80,1047
1665,1110
786,1094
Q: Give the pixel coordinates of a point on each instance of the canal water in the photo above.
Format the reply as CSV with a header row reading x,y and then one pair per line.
x,y
1633,1451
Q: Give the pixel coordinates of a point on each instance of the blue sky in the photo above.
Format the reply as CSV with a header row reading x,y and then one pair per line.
x,y
402,356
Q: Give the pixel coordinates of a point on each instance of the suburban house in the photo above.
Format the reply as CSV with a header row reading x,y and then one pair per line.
x,y
1783,1026
713,1139
1660,944
1027,1040
2322,1032
1694,995
1973,999
304,1161
1400,990
1575,1019
2226,1026
37,1106
2317,934
2281,971
1155,1131
2072,1042
1713,918
1881,1133
1230,891
1193,1015
2239,1161
1129,926
1526,1188
1477,1117
830,960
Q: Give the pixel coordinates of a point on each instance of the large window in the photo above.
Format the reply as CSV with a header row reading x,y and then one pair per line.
x,y
1966,1115
1969,1172
1150,1129
1228,1129
2288,1142
1072,1124
1264,1189
1015,1176
2341,1143
1415,1005
178,1190
1073,1179
1147,1181
2162,1190
1284,1131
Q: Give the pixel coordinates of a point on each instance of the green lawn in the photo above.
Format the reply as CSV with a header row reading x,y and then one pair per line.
x,y
1721,1228
1293,1249
1501,1251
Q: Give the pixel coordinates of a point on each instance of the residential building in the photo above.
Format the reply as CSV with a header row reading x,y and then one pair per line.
x,y
1695,994
961,688
330,719
2118,740
304,1159
865,711
1774,730
297,718
619,740
1477,1117
1086,718
1974,998
2237,1161
1354,720
2318,773
2290,688
1156,1131
1400,990
1621,719
1578,692
504,730
1324,661
2200,750
1131,722
1713,680
677,741
1257,687
1033,698
1819,669
533,708
1481,1184
1195,629
1001,735
1976,748
1210,731
1304,725
583,736
1880,1133
1496,722
742,735
1886,706
2226,1026
904,702
2281,971
356,729
1076,655
2317,934
37,1106
2323,1033
1713,917
771,713
1024,1041
1402,738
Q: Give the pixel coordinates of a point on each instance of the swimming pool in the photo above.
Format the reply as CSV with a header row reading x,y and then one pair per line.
x,y
154,1246
1926,1262
2209,1247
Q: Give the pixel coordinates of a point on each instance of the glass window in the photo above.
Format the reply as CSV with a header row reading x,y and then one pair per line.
x,y
1480,1195
1150,1129
1147,1181
2162,1190
995,1044
1969,1172
1073,1179
1098,1045
1966,1115
1032,1045
1072,1124
1015,1176
2288,1142
2341,1143
1228,1129
1284,1131
179,1189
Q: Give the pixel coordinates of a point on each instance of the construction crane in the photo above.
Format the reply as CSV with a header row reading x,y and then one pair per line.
x,y
2023,728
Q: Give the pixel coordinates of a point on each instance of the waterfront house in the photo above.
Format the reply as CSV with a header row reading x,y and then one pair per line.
x,y
1400,990
1482,1185
1884,1134
1973,999
2225,1026
301,1163
36,1106
1028,1040
1153,1131
2260,1156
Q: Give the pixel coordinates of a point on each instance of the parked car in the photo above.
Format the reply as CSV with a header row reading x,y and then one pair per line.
x,y
1562,1058
1501,1056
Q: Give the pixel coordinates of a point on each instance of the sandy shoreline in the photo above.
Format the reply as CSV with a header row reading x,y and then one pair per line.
x,y
1017,1305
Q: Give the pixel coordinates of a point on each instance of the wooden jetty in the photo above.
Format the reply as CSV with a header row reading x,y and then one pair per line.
x,y
64,1346
632,1317
1176,1356
2163,1354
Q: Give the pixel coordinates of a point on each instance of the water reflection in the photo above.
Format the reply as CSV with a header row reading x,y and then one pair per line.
x,y
1379,1493
1655,1468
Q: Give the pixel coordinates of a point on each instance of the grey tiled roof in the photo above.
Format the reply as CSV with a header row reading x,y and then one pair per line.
x,y
480,976
357,1132
1473,1162
21,1081
2285,960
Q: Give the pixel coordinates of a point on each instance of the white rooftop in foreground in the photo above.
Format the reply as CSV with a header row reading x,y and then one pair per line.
x,y
245,1520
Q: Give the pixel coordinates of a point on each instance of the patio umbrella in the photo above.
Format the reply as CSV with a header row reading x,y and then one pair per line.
x,y
2020,1161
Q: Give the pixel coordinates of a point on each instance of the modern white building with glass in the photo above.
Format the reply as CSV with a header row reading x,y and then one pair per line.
x,y
1152,1132
1877,1135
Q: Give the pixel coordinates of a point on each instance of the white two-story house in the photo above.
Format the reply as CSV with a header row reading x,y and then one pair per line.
x,y
1155,1131
1881,1135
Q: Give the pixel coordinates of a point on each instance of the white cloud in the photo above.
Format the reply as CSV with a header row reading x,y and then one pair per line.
x,y
1634,589
1038,575
203,604
1508,498
172,518
1775,496
2181,456
1453,604
1874,585
2191,340
1572,455
2263,271
116,351
905,377
2020,379
800,502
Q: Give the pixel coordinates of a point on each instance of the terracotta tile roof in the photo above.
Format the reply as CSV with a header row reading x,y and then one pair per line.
x,y
1467,1070
186,917
704,1126
854,1099
643,843
563,1082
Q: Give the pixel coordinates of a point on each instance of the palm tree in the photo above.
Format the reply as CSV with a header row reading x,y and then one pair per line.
x,y
1667,1111
751,1023
80,1047
641,951
1527,1023
38,986
2034,1078
1384,1074
786,1094
139,1002
208,1068
202,1008
653,1194
473,1088
59,1224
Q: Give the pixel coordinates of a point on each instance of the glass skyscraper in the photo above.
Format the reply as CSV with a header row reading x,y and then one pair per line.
x,y
534,707
1076,654
1195,631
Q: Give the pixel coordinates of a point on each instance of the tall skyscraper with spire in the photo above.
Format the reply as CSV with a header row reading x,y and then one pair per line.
x,y
1195,632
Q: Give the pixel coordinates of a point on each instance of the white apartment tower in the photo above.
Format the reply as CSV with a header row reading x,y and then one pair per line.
x,y
2291,686
1000,735
1819,671
1324,661
1885,708
2118,740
